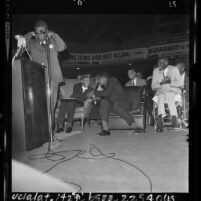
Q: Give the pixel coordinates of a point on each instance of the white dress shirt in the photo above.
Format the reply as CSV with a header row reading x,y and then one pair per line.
x,y
84,88
165,72
183,76
134,82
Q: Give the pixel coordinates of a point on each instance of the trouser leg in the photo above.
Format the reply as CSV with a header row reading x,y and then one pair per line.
x,y
170,97
62,112
149,106
186,105
104,110
161,107
54,96
71,106
122,109
104,113
87,107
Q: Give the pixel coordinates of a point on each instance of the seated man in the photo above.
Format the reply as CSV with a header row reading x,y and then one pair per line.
x,y
167,82
80,91
134,80
113,99
185,78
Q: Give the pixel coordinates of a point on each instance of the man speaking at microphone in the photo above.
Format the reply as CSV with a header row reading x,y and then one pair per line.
x,y
36,42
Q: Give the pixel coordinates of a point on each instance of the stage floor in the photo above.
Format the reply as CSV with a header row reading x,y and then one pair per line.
x,y
140,163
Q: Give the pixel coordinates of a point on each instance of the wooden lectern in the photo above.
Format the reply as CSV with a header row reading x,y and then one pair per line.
x,y
29,106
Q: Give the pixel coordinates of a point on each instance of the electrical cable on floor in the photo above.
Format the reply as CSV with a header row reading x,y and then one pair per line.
x,y
80,154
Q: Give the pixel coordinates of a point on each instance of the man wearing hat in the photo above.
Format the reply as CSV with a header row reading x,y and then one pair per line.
x,y
80,92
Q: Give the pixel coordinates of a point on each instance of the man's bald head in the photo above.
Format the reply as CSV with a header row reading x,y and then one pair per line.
x,y
163,62
181,66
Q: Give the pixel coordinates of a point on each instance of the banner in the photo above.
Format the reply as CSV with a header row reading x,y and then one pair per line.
x,y
107,57
129,54
169,49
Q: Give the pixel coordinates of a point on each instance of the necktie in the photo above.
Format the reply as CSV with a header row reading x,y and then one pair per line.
x,y
133,82
163,73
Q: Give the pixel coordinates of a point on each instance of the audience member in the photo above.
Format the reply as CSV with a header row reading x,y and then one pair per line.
x,y
113,99
80,92
139,75
167,82
134,80
182,70
79,77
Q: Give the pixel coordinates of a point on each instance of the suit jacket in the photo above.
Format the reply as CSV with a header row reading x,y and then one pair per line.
x,y
139,82
175,77
186,82
38,54
186,86
113,92
78,92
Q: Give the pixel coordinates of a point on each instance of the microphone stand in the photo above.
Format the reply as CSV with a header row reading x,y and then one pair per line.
x,y
51,144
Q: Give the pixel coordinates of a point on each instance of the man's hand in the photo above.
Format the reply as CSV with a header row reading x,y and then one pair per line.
x,y
32,33
21,42
50,34
166,80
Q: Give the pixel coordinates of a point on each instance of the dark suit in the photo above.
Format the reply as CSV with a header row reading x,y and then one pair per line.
x,y
114,99
186,85
186,89
39,54
70,106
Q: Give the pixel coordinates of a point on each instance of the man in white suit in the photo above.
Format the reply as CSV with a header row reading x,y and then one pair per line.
x,y
134,80
166,82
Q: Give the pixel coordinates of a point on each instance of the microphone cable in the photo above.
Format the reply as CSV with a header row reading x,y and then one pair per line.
x,y
94,153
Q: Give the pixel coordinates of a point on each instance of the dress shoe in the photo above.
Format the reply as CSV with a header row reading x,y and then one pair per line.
x,y
159,124
104,133
159,130
59,130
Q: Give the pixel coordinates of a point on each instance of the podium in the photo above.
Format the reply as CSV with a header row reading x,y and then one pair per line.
x,y
29,106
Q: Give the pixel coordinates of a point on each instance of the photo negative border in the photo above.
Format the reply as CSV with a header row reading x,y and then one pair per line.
x,y
100,7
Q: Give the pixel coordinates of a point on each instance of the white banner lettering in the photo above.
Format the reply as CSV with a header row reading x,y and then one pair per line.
x,y
105,57
169,48
129,54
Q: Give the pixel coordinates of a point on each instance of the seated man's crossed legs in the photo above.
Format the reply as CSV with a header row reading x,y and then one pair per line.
x,y
121,108
69,109
168,98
